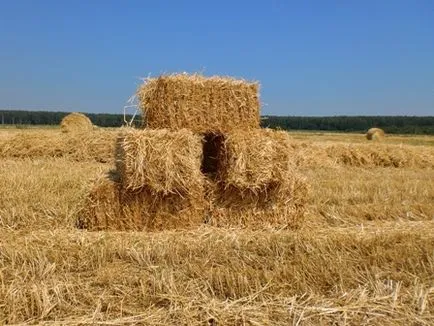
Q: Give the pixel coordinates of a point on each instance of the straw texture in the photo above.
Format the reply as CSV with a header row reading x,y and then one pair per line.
x,y
161,160
198,103
375,134
74,122
109,206
254,159
281,204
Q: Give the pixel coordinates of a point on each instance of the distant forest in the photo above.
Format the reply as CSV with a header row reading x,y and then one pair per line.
x,y
390,124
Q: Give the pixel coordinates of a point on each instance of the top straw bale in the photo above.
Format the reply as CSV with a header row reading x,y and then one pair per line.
x,y
201,104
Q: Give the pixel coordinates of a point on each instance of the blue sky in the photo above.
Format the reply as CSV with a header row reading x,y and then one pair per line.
x,y
311,57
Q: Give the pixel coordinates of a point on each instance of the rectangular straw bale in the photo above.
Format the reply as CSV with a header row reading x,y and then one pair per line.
x,y
109,206
280,205
163,161
254,159
201,104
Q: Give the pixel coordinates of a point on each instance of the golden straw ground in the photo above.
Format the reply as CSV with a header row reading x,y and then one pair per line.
x,y
364,256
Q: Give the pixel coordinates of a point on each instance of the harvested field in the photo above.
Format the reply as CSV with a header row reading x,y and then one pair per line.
x,y
97,145
363,255
358,276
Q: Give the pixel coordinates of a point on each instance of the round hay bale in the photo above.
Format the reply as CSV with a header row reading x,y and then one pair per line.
x,y
375,134
74,122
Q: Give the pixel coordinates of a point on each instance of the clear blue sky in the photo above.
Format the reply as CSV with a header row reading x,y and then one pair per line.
x,y
311,57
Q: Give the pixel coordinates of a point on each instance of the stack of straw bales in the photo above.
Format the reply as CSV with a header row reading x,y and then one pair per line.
x,y
201,158
257,183
157,183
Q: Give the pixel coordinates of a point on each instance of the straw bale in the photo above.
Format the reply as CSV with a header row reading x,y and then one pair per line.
x,y
109,206
281,204
254,159
201,104
74,122
375,134
163,161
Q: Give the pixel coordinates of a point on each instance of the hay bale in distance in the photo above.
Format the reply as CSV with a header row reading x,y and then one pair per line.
x,y
109,206
76,122
198,103
375,134
161,160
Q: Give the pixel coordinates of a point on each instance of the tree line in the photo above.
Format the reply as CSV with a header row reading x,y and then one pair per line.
x,y
19,118
390,124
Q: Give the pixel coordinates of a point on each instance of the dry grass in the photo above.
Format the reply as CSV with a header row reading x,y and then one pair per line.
x,y
348,196
177,101
98,145
357,276
363,155
76,122
364,256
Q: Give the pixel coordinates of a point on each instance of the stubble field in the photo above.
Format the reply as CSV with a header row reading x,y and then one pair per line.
x,y
364,256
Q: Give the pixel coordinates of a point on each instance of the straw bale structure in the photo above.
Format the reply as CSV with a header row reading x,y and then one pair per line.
x,y
375,134
198,103
161,160
202,158
75,122
109,206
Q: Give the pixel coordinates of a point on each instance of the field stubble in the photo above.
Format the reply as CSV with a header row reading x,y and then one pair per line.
x,y
364,256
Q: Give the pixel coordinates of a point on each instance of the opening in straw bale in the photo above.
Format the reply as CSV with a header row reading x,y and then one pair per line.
x,y
75,122
201,104
212,151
